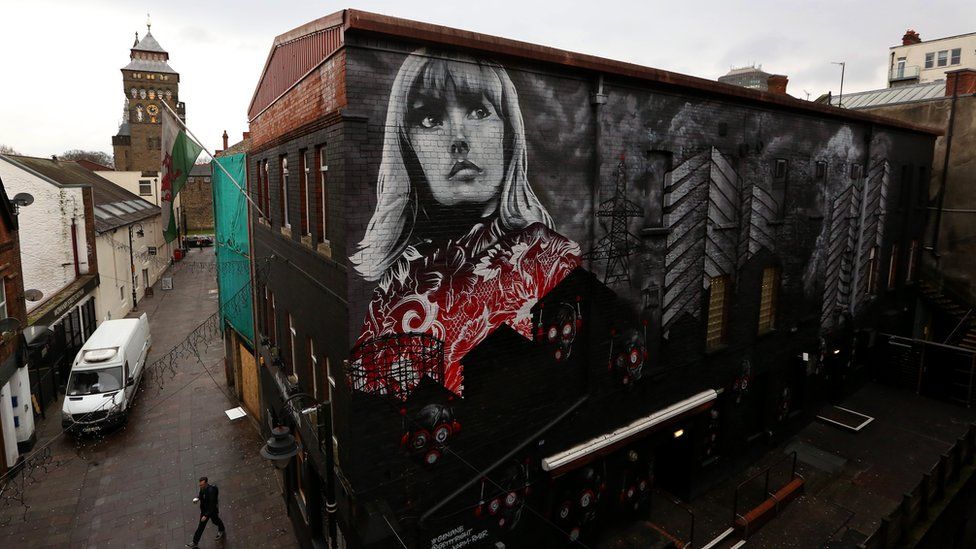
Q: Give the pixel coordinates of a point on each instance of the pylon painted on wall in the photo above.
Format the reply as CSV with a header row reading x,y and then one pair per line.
x,y
619,244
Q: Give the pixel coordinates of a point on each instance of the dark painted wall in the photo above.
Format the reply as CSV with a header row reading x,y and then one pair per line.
x,y
537,234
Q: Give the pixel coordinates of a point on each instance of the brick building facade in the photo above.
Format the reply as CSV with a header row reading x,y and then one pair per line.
x,y
197,199
534,286
13,368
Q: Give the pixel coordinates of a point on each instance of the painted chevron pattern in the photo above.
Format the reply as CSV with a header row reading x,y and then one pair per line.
x,y
760,208
701,207
685,193
874,211
722,234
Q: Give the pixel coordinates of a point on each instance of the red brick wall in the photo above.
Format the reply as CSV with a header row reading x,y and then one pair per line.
x,y
12,273
321,93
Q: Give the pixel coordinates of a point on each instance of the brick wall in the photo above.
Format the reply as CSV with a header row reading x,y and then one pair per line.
x,y
711,188
197,202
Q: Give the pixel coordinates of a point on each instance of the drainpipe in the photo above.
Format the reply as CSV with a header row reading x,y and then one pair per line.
x,y
945,168
597,99
132,268
74,246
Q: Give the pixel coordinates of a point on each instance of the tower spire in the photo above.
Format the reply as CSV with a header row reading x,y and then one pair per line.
x,y
136,43
148,24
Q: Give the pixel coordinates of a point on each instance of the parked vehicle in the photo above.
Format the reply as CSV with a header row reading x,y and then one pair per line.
x,y
199,241
106,374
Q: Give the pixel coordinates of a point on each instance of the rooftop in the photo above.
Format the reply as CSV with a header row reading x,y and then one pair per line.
x,y
891,96
270,89
149,43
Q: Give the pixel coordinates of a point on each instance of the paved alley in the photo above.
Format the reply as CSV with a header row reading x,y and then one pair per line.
x,y
134,487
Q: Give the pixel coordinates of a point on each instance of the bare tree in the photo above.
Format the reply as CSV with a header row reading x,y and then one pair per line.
x,y
7,149
92,156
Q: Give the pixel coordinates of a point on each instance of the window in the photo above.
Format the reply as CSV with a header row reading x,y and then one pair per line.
x,y
313,365
955,56
779,170
929,60
912,258
943,58
872,270
900,72
855,171
272,319
767,299
893,267
717,306
145,187
152,250
259,186
122,293
292,347
283,192
303,173
3,298
820,171
267,192
321,198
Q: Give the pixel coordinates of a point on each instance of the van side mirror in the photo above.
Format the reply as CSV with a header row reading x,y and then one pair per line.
x,y
129,382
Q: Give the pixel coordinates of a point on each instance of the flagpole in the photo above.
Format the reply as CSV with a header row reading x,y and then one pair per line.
x,y
219,165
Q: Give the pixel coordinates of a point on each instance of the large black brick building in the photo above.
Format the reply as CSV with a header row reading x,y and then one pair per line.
x,y
534,285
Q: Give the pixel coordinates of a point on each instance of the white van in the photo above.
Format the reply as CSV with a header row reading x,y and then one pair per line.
x,y
105,375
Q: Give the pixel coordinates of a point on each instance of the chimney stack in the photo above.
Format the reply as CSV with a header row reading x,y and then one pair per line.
x,y
911,37
247,135
962,82
776,83
225,140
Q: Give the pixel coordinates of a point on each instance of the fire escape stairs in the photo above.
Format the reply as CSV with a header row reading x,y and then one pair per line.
x,y
963,335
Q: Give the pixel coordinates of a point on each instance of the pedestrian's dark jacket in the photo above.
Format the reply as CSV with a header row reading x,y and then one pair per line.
x,y
208,500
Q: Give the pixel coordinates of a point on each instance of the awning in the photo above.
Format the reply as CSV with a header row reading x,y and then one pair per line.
x,y
623,434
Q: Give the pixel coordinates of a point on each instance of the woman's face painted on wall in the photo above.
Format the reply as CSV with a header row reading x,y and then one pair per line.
x,y
459,141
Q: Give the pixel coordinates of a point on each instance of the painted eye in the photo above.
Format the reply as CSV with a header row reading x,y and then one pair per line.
x,y
432,457
494,506
553,333
430,121
586,499
574,534
564,511
634,356
479,113
420,440
567,329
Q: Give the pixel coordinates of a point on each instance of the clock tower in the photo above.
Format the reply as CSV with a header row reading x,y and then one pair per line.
x,y
147,82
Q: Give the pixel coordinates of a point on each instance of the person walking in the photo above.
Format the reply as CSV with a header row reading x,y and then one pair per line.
x,y
208,511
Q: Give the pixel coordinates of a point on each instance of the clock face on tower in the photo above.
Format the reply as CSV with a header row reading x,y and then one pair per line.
x,y
153,110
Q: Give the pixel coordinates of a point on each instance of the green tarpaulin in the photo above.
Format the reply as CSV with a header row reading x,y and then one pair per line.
x,y
233,247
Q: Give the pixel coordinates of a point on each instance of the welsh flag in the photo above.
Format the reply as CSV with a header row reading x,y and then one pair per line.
x,y
179,153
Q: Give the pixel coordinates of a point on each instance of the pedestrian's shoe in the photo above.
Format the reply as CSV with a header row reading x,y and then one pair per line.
x,y
220,535
192,544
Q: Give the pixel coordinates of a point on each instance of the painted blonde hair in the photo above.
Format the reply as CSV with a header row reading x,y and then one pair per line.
x,y
397,197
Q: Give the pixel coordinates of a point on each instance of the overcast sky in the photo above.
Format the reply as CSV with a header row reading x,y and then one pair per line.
x,y
60,84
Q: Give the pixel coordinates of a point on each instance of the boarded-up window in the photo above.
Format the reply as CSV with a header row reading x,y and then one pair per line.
x,y
873,270
893,267
767,299
717,306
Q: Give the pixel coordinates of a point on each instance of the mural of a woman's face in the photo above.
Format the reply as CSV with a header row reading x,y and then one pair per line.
x,y
458,138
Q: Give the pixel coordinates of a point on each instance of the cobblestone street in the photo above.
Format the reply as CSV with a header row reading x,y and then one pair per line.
x,y
135,486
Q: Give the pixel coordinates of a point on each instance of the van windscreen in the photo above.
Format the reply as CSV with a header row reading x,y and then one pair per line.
x,y
91,382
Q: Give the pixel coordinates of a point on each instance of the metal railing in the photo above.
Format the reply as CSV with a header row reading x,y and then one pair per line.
x,y
904,72
962,322
766,493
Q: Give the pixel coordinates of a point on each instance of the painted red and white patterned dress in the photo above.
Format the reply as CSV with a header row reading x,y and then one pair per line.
x,y
459,293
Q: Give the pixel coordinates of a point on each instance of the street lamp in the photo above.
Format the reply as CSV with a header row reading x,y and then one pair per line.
x,y
843,66
280,448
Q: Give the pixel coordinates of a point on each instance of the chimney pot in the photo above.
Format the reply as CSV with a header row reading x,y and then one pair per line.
x,y
776,83
225,140
911,37
247,135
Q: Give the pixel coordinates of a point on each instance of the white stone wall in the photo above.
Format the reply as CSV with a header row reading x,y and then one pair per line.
x,y
915,56
115,288
45,231
130,182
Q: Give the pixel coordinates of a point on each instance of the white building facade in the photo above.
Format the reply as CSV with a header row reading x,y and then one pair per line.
x,y
919,62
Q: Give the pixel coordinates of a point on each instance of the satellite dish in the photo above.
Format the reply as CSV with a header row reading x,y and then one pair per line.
x,y
33,295
23,199
9,324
